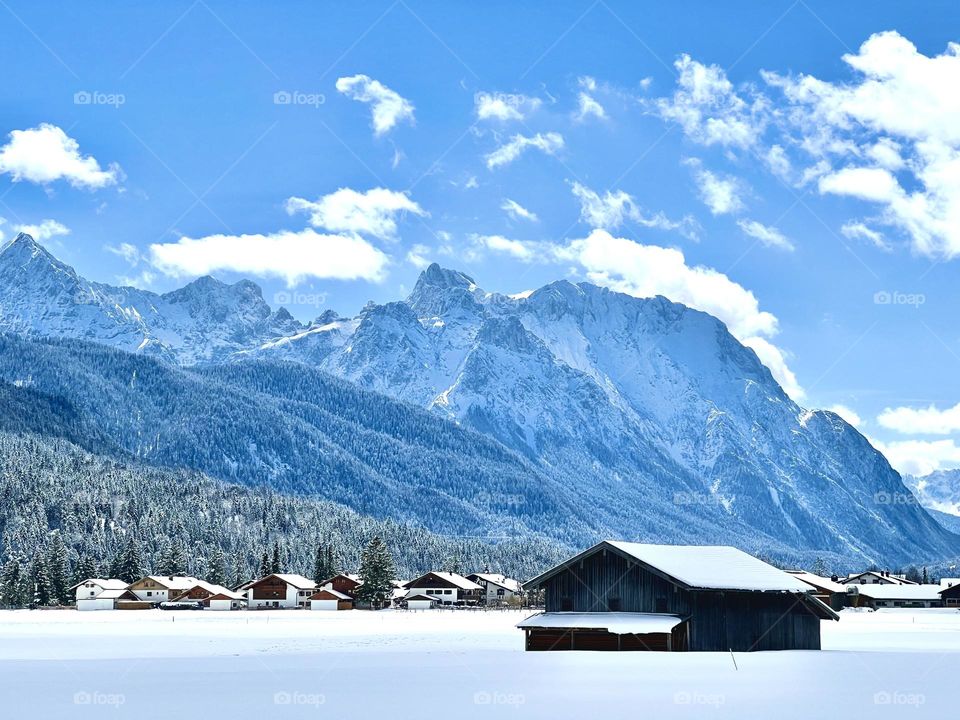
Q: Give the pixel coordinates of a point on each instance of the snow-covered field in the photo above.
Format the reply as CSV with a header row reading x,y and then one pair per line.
x,y
431,664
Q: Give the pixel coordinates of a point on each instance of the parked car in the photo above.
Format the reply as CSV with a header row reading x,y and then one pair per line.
x,y
181,605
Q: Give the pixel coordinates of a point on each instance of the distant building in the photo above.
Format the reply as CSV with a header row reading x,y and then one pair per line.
x,y
632,596
343,583
215,597
950,595
92,587
280,590
111,599
497,589
420,602
161,588
445,588
329,599
876,577
877,595
828,591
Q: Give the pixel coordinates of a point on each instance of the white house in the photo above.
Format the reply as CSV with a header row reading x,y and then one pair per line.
x,y
876,577
445,588
420,602
161,588
280,590
215,597
497,589
93,587
879,595
326,598
106,600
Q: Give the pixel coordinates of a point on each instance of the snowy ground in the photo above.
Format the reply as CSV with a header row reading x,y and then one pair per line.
x,y
397,665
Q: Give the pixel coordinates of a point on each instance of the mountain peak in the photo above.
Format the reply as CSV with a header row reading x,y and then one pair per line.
x,y
24,246
440,277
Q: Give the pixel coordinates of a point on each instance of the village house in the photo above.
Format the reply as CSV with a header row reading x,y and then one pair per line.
x,y
161,588
632,596
343,583
877,595
828,591
876,577
102,594
497,589
326,598
92,587
445,588
420,602
950,594
279,590
215,597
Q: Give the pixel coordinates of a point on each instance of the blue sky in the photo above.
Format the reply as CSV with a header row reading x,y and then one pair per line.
x,y
727,157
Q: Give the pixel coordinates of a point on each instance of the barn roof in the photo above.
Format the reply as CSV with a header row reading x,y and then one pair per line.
x,y
336,595
700,567
497,579
454,578
818,582
897,592
106,584
618,623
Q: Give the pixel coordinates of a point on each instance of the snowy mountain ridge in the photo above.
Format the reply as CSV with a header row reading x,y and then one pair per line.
x,y
645,407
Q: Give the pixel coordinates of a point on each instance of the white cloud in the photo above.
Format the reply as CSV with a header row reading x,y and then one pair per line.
x,y
778,162
292,256
920,457
388,107
45,230
588,106
847,414
127,251
721,194
550,143
504,106
373,212
46,153
516,211
768,236
858,231
418,256
900,115
921,421
709,110
515,248
613,208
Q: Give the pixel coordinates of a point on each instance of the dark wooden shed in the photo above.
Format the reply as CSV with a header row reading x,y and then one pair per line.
x,y
722,598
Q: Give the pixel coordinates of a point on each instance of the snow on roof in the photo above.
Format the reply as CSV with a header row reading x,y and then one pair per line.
x,y
175,582
330,591
110,594
298,581
459,580
949,582
618,623
421,596
105,584
712,567
215,590
501,580
854,578
818,582
897,592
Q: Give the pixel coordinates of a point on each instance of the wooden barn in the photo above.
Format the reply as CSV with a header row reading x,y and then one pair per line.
x,y
950,595
632,596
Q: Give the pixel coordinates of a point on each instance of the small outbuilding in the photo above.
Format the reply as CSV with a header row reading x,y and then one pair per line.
x,y
329,599
111,599
633,596
420,602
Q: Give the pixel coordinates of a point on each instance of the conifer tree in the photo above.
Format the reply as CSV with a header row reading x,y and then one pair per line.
x,y
324,567
216,571
276,565
129,562
57,569
40,581
376,572
12,583
264,568
84,569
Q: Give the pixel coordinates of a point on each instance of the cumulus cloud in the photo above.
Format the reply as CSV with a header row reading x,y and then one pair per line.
x,y
708,108
127,251
292,256
722,194
504,106
847,414
899,116
856,230
921,421
768,236
550,143
44,230
388,107
419,256
613,208
518,249
516,211
588,106
374,212
45,154
920,457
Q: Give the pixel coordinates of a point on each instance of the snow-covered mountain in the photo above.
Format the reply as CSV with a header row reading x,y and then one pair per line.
x,y
940,490
203,322
643,407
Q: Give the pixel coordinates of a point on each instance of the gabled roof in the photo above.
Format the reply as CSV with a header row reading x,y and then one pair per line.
x,y
455,579
887,579
174,582
817,582
421,596
696,567
213,590
105,584
298,581
499,580
113,594
330,591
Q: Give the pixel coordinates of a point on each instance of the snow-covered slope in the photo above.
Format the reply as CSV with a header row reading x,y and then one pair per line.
x,y
939,490
643,407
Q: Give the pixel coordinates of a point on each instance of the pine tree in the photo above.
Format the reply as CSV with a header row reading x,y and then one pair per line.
x,y
129,562
40,581
324,567
57,569
12,581
275,564
239,571
264,568
376,572
216,572
84,569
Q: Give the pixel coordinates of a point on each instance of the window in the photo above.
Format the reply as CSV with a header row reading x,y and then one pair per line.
x,y
149,593
448,592
500,592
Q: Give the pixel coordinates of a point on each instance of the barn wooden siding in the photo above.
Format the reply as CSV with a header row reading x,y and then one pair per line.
x,y
718,620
